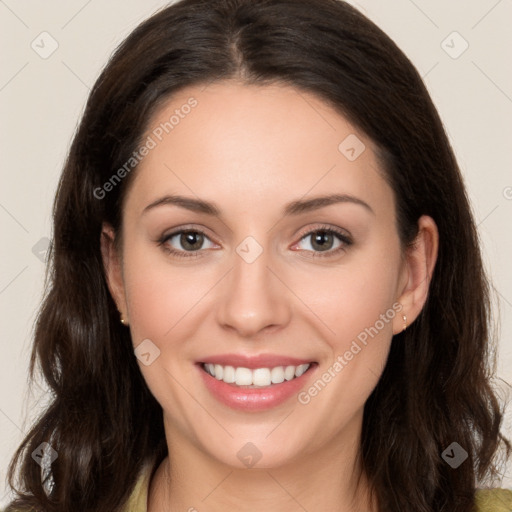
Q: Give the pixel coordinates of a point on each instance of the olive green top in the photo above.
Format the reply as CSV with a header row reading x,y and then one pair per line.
x,y
493,500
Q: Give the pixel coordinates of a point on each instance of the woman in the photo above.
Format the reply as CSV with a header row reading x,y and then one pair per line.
x,y
267,291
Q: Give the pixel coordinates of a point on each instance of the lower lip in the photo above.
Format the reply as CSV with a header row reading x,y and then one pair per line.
x,y
254,399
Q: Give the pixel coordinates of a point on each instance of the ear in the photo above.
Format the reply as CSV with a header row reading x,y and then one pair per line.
x,y
113,268
419,262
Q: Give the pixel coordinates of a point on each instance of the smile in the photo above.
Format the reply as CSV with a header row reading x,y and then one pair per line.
x,y
257,383
260,377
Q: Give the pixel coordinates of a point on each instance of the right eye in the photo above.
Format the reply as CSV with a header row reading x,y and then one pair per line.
x,y
191,241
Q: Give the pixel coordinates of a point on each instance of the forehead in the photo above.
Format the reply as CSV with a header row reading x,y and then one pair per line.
x,y
255,146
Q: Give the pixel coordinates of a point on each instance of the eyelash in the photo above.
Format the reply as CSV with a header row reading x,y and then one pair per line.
x,y
343,237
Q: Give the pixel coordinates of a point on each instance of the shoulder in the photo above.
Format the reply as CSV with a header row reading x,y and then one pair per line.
x,y
493,500
138,501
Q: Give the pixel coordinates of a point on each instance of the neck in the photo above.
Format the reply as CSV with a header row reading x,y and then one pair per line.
x,y
329,478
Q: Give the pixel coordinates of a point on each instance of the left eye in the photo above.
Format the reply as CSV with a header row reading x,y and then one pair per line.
x,y
324,240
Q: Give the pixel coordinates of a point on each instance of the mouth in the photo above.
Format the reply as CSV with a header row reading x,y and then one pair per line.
x,y
243,377
255,384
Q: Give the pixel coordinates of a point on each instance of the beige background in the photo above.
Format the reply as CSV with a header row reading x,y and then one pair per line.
x,y
41,100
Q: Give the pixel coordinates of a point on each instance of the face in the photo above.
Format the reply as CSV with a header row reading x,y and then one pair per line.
x,y
250,276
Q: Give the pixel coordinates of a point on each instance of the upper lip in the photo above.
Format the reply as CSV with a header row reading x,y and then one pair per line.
x,y
254,362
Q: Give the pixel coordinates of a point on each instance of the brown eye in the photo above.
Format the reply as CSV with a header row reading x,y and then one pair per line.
x,y
191,240
322,240
325,240
179,243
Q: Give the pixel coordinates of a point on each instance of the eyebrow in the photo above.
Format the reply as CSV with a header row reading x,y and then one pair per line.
x,y
294,208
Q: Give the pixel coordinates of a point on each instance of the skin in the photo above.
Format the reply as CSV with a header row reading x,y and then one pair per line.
x,y
251,150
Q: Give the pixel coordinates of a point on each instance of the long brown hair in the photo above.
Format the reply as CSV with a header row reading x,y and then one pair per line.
x,y
435,389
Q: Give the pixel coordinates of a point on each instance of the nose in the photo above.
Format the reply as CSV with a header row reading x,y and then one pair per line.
x,y
253,299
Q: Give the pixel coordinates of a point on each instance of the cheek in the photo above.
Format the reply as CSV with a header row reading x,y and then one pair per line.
x,y
357,302
159,293
352,297
159,296
357,305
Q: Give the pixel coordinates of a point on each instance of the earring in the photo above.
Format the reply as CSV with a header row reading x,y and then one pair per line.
x,y
123,321
404,318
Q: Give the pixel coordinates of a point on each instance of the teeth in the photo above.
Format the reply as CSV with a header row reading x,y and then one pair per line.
x,y
277,375
261,377
289,372
243,377
300,370
229,374
219,371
